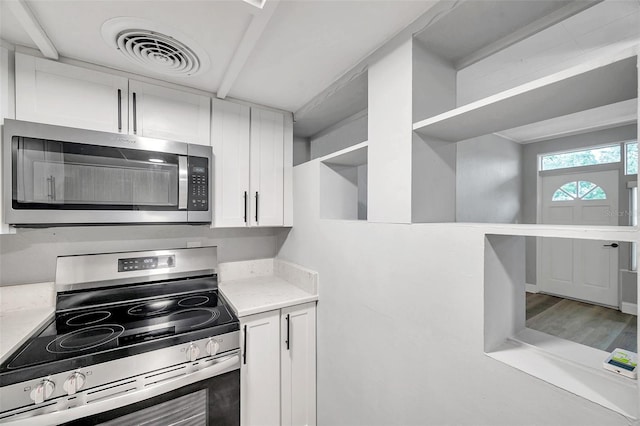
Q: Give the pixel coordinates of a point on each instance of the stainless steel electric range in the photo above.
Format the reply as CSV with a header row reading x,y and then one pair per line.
x,y
137,338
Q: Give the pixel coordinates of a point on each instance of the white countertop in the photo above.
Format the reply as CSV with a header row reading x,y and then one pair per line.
x,y
17,326
23,309
264,285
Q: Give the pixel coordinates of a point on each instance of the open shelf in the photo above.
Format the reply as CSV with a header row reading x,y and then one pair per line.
x,y
563,362
343,184
590,85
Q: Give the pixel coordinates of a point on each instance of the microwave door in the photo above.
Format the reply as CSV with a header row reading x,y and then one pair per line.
x,y
68,182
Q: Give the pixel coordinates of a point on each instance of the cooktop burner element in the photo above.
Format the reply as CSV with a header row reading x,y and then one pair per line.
x,y
195,317
192,301
150,308
85,338
88,318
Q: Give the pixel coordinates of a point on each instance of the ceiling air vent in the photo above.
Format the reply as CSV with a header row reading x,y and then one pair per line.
x,y
159,50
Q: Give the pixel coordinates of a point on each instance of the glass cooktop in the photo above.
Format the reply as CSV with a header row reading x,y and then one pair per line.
x,y
120,320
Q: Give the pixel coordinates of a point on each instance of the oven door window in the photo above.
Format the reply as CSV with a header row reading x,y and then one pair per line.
x,y
215,401
72,176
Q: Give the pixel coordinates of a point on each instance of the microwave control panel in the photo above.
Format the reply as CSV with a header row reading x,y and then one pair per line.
x,y
198,184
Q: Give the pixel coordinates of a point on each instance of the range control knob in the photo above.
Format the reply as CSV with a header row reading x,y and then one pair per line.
x,y
192,352
43,391
74,383
212,347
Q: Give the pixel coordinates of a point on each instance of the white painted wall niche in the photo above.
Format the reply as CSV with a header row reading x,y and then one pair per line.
x,y
571,366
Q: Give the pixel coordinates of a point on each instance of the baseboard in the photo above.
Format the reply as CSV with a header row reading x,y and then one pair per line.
x,y
530,288
629,308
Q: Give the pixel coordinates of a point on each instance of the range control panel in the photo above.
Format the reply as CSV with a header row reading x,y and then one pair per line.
x,y
198,184
143,263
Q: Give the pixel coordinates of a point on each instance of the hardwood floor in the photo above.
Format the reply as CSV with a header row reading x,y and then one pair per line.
x,y
591,325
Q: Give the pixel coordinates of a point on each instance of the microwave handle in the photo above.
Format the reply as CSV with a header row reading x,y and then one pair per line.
x,y
183,182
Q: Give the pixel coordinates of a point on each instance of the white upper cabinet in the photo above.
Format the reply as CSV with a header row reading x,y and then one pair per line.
x,y
267,168
163,113
230,140
56,93
253,154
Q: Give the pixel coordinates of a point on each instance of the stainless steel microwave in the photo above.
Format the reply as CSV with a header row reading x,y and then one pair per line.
x,y
56,175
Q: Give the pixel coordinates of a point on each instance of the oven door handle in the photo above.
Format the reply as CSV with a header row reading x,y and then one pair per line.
x,y
220,366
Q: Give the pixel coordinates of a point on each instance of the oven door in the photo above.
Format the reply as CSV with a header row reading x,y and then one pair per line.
x,y
210,396
215,401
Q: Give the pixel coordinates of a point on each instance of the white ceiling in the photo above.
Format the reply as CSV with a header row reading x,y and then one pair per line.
x,y
476,24
306,45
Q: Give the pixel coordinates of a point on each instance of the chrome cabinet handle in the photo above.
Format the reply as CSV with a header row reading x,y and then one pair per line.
x,y
614,245
119,110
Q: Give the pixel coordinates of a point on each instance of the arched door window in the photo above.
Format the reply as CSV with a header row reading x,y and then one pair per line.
x,y
579,190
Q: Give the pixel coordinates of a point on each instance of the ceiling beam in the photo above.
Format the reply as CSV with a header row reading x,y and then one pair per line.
x,y
249,40
436,12
27,19
527,31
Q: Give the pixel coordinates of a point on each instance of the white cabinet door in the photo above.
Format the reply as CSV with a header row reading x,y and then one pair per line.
x,y
230,141
160,112
56,93
267,168
298,363
260,371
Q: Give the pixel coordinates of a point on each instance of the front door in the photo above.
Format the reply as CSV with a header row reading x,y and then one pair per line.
x,y
580,269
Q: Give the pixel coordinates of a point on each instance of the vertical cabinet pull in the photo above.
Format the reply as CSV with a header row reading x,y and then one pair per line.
x,y
135,114
244,353
288,327
119,110
245,206
257,204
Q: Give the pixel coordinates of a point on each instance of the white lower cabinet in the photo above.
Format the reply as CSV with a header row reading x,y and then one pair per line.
x,y
298,365
279,367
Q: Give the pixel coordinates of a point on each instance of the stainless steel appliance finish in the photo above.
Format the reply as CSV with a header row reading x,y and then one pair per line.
x,y
170,341
57,175
97,270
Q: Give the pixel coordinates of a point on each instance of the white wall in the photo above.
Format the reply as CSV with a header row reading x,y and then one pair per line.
x,y
489,180
433,180
400,327
349,132
29,256
301,150
390,135
607,25
434,84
